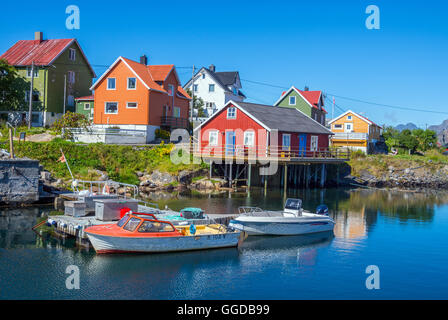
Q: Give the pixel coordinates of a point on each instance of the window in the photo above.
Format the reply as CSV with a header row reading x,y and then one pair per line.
x,y
231,113
71,77
131,105
36,96
211,88
195,88
123,220
86,106
111,108
348,127
235,91
111,83
203,76
176,112
155,226
36,72
337,126
72,54
170,89
349,117
132,224
132,83
286,139
213,138
292,101
249,138
314,143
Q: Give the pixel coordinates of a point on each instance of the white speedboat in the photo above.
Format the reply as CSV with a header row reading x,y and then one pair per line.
x,y
293,220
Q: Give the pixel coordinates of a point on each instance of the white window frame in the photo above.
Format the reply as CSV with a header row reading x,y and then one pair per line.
x,y
105,107
72,52
115,83
174,112
135,88
85,106
284,146
195,88
314,143
295,101
337,126
248,134
348,124
214,133
231,117
211,85
128,107
170,92
36,72
71,77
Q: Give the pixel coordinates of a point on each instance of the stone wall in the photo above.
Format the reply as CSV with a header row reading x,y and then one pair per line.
x,y
19,181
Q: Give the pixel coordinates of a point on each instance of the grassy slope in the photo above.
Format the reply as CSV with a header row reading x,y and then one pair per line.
x,y
378,165
120,162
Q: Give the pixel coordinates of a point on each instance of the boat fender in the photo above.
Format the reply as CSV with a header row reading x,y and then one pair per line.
x,y
54,223
49,222
192,229
78,227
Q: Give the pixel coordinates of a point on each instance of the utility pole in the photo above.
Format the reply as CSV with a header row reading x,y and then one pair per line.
x,y
30,110
65,91
192,95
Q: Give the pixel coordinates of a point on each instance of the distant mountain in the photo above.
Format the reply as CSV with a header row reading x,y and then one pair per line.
x,y
409,126
442,132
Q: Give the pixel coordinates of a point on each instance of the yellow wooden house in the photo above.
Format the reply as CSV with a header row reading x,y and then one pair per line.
x,y
354,131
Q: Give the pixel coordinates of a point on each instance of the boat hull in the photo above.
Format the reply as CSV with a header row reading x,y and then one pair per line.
x,y
112,244
281,226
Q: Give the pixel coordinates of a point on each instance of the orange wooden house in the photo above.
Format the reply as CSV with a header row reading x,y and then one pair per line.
x,y
354,131
137,96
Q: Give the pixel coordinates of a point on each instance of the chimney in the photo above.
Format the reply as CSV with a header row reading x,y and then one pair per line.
x,y
212,68
144,60
306,88
38,36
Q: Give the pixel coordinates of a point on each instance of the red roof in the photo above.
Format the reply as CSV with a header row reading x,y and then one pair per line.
x,y
88,98
24,52
313,97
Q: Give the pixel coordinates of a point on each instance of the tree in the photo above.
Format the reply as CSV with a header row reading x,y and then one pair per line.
x,y
426,139
12,88
408,141
391,137
198,104
70,120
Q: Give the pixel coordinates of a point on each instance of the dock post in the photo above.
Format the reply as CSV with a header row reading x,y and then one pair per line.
x,y
265,184
249,171
322,176
230,175
11,143
316,171
285,179
308,173
337,175
211,169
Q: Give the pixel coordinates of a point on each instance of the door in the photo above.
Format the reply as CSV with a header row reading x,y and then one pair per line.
x,y
348,127
302,145
230,143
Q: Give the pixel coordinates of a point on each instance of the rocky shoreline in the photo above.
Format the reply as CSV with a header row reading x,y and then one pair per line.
x,y
420,177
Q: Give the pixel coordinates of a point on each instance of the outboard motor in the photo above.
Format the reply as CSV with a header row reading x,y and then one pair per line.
x,y
322,209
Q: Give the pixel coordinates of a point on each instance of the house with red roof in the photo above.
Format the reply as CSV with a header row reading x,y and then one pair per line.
x,y
137,96
309,102
354,131
61,73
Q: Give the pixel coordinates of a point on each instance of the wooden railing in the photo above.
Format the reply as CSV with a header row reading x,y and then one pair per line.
x,y
260,152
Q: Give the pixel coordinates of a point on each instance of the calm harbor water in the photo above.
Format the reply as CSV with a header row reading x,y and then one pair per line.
x,y
403,233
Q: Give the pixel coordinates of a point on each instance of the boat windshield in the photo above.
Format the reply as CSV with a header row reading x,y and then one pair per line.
x,y
155,226
123,220
293,204
132,224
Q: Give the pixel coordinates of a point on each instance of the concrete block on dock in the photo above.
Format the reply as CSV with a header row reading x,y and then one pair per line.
x,y
75,208
109,209
19,181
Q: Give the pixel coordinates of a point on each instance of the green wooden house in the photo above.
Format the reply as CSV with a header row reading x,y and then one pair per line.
x,y
61,73
310,103
84,105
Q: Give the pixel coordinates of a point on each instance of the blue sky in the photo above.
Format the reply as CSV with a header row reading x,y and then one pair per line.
x,y
322,44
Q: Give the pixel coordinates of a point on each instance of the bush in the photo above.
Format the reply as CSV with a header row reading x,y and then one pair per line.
x,y
162,134
70,120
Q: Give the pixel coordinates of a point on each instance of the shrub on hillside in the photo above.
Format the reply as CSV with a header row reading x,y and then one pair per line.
x,y
70,120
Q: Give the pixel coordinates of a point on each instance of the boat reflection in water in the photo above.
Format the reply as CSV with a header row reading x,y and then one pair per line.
x,y
276,248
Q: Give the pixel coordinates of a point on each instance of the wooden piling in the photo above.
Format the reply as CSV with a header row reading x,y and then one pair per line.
x,y
11,144
285,180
